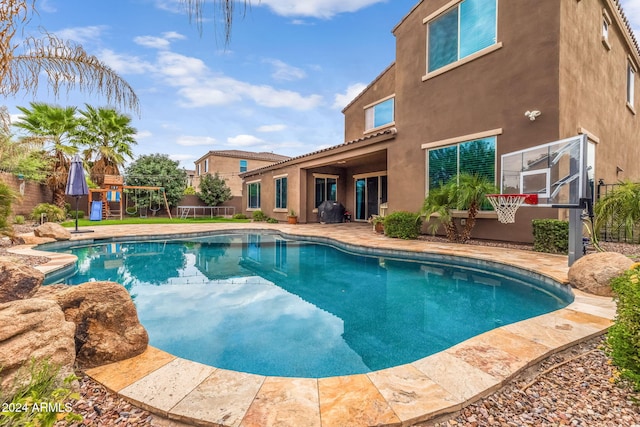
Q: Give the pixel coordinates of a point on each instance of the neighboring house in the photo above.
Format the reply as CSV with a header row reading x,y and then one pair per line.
x,y
485,64
190,177
229,164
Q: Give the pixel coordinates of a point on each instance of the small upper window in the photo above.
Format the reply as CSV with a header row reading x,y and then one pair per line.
x,y
243,165
198,169
606,24
631,76
379,115
463,30
206,166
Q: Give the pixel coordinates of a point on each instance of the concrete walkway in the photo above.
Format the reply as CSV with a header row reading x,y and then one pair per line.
x,y
445,382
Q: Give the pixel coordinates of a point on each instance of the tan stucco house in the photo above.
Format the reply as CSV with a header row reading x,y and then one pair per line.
x,y
466,72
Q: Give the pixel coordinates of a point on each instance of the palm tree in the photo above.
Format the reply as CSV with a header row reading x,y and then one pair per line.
x,y
109,136
65,64
619,208
53,128
464,191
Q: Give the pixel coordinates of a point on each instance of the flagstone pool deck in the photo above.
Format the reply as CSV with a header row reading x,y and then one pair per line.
x,y
445,382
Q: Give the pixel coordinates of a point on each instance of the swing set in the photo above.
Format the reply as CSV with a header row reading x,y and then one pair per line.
x,y
114,191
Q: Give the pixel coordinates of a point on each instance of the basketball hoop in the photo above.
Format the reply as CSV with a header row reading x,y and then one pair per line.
x,y
506,205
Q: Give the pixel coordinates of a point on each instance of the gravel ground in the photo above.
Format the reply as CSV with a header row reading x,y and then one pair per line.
x,y
574,388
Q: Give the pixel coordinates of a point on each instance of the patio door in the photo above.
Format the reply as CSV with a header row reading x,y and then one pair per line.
x,y
370,192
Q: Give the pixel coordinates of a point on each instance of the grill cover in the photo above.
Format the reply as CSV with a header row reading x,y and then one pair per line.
x,y
331,212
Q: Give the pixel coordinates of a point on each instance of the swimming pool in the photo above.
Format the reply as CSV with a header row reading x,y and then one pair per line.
x,y
266,304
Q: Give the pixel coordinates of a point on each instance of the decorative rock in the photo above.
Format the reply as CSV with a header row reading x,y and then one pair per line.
x,y
33,328
593,273
52,230
18,281
108,329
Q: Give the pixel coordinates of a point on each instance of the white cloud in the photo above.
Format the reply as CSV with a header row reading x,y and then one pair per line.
x,y
125,64
152,42
316,8
144,134
341,100
195,141
244,140
82,35
271,128
182,157
283,71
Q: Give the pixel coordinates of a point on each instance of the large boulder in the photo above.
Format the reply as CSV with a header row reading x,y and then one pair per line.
x,y
593,273
33,329
52,230
18,281
108,329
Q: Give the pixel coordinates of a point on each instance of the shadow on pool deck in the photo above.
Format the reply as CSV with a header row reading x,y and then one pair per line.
x,y
445,382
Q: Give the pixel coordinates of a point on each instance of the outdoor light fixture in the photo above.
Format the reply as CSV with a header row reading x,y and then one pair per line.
x,y
532,114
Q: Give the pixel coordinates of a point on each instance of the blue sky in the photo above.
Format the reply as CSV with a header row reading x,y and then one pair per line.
x,y
279,86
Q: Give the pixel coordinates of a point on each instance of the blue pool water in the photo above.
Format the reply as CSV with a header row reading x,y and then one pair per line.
x,y
267,305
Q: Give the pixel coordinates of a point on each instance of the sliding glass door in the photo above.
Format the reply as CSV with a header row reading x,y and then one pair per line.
x,y
370,192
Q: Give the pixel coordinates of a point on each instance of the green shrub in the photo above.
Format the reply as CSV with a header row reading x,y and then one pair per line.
x,y
53,213
239,216
18,219
41,400
6,199
72,214
551,236
403,225
189,191
623,338
259,216
272,221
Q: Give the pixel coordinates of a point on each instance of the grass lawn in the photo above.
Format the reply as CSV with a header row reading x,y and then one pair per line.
x,y
160,220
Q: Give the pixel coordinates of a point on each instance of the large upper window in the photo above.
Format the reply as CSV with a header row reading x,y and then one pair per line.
x,y
467,28
476,157
326,189
281,193
253,198
631,75
243,166
379,114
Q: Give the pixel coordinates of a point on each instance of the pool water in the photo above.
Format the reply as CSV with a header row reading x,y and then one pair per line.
x,y
267,305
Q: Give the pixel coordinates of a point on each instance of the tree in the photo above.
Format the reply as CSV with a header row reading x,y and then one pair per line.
x,y
17,156
108,136
214,190
65,64
53,128
6,199
620,208
157,170
463,192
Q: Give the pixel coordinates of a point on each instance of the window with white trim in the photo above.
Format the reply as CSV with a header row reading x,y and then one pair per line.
x,y
198,169
281,192
379,115
631,76
477,157
326,188
253,195
606,24
465,29
206,165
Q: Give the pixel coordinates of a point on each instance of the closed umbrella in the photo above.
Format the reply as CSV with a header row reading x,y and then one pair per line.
x,y
77,184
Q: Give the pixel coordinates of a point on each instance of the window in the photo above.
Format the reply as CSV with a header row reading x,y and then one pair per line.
x,y
281,193
243,166
477,156
631,75
206,166
466,29
326,189
253,192
198,169
606,23
379,115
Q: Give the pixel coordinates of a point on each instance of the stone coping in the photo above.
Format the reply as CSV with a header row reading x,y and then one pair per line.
x,y
442,383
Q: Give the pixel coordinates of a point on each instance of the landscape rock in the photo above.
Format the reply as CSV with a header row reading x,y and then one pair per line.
x,y
52,230
593,273
33,328
18,281
108,329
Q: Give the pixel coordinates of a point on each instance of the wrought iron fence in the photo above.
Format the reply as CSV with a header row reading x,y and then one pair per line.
x,y
613,230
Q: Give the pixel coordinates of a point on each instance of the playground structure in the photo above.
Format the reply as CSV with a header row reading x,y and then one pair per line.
x,y
114,191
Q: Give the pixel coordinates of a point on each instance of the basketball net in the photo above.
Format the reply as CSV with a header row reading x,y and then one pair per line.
x,y
506,205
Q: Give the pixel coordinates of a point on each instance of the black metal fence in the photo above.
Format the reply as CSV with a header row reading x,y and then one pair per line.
x,y
613,230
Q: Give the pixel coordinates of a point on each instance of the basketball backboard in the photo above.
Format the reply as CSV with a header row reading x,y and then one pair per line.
x,y
555,171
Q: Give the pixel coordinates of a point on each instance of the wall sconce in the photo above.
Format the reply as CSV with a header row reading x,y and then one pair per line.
x,y
532,114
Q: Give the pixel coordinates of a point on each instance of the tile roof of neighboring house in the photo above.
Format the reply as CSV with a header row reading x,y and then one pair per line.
x,y
391,132
249,155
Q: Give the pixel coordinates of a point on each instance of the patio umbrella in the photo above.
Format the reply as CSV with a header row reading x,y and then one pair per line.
x,y
76,184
